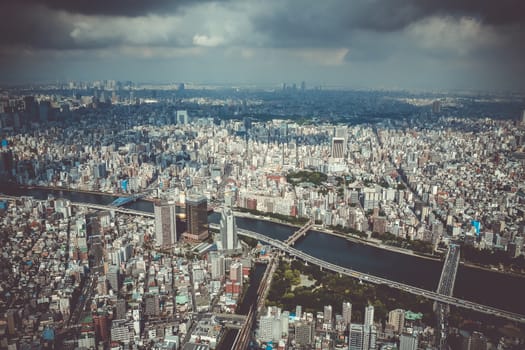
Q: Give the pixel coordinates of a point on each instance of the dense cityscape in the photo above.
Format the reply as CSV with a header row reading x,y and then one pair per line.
x,y
177,216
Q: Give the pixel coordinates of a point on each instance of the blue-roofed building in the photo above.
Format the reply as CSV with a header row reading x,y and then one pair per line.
x,y
48,334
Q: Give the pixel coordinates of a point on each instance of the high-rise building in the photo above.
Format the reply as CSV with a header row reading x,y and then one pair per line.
x,y
113,277
228,229
298,312
370,338
408,342
236,272
151,305
165,223
303,333
338,147
285,319
347,313
120,309
217,265
196,218
396,318
369,316
327,314
270,325
356,337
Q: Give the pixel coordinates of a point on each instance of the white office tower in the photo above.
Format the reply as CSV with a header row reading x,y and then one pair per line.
x,y
271,325
347,313
408,342
298,312
369,316
165,224
285,320
369,330
327,316
356,337
217,265
229,241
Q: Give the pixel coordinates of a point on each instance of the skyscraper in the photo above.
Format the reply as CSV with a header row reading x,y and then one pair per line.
x,y
165,224
327,314
217,265
228,229
347,313
298,312
356,337
369,316
196,218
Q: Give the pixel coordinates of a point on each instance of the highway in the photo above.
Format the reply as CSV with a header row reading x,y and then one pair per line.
x,y
450,268
92,206
446,287
446,299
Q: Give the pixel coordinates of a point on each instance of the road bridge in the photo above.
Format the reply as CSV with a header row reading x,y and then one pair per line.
x,y
299,233
91,206
450,269
446,287
446,299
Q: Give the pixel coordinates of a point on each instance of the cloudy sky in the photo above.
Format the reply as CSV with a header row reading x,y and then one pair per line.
x,y
408,44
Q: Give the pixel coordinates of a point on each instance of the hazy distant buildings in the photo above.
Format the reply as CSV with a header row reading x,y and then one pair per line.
x,y
436,107
165,223
196,218
182,118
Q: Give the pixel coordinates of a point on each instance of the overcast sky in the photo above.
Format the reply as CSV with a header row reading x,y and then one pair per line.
x,y
407,44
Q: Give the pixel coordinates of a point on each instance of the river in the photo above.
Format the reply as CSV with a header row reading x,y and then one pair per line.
x,y
482,286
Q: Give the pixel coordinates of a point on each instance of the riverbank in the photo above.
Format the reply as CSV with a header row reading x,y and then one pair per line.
x,y
472,283
373,243
351,238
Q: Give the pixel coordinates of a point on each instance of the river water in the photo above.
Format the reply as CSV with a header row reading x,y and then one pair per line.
x,y
486,287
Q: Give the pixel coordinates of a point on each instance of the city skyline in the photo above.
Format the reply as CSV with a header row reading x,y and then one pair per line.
x,y
402,44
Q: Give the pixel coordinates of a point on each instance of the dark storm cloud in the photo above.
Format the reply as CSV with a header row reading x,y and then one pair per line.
x,y
32,26
116,7
332,22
